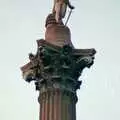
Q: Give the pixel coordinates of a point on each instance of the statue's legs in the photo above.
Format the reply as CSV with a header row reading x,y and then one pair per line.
x,y
60,11
63,10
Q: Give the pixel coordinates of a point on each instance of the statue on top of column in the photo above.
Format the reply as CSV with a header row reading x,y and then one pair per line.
x,y
59,9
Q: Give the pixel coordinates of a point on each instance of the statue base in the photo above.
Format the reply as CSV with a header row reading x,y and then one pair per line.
x,y
57,33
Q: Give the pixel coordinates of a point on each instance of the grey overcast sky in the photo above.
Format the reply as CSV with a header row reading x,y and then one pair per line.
x,y
94,24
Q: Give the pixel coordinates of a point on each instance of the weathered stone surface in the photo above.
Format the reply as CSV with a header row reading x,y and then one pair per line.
x,y
57,66
55,69
57,34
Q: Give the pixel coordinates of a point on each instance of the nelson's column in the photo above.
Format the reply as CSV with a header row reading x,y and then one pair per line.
x,y
56,67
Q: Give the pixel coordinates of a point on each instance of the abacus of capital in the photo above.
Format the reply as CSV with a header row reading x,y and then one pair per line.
x,y
55,69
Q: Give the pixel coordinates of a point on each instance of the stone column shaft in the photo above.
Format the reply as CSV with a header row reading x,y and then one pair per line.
x,y
56,105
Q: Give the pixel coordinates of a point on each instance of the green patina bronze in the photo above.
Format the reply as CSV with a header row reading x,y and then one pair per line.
x,y
62,65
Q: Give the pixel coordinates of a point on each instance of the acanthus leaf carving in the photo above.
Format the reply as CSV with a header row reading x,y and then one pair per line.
x,y
60,65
